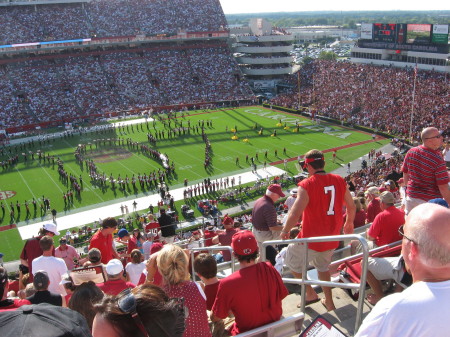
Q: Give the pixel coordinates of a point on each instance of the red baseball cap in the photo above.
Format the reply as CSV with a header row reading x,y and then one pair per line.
x,y
244,243
227,220
276,188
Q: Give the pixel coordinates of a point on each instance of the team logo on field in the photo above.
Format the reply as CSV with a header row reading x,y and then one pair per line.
x,y
7,194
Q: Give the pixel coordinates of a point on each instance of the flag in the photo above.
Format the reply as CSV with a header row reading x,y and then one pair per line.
x,y
415,70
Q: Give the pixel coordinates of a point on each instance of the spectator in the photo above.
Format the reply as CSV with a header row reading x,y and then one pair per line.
x,y
236,293
224,238
173,264
205,266
5,302
360,214
53,266
384,228
115,282
147,245
102,240
94,258
135,268
83,299
69,286
41,283
167,227
321,216
373,206
143,311
32,249
68,253
424,171
425,248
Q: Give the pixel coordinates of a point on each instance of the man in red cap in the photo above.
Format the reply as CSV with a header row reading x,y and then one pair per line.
x,y
266,226
319,206
224,237
254,293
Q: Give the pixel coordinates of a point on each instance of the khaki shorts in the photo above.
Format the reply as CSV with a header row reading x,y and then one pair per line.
x,y
295,258
411,203
262,236
386,268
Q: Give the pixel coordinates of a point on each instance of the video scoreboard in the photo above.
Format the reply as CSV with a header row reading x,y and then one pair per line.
x,y
406,36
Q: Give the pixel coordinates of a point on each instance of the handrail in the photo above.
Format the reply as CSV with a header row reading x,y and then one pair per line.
x,y
210,249
304,282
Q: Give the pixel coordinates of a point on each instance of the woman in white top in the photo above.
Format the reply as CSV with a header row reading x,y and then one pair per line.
x,y
135,267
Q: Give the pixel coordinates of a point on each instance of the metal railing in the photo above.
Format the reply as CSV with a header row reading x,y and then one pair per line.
x,y
220,266
304,282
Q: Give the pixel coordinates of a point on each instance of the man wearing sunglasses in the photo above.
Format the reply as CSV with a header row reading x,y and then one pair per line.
x,y
422,309
424,171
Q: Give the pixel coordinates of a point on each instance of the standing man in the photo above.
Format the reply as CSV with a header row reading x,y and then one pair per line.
x,y
103,240
67,253
254,293
291,199
424,171
167,227
53,266
422,310
266,226
32,249
224,238
319,205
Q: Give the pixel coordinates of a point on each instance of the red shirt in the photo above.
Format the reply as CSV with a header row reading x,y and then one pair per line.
x,y
114,287
254,294
373,208
32,250
208,235
323,215
427,170
225,240
211,292
384,228
104,244
152,227
12,304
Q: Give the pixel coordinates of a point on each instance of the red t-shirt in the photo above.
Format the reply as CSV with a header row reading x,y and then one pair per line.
x,y
114,287
208,236
384,228
323,215
427,170
9,304
254,294
225,240
152,227
373,208
211,292
104,244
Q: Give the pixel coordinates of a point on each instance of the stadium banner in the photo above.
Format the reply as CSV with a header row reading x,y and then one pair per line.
x,y
440,34
366,31
439,49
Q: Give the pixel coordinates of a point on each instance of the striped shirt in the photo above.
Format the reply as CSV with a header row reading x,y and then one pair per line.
x,y
427,170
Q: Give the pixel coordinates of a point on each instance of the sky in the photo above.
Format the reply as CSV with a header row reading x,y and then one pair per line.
x,y
264,6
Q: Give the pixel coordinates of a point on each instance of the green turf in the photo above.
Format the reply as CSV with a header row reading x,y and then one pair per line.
x,y
34,179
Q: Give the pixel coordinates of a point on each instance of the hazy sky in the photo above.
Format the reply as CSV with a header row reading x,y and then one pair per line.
x,y
260,6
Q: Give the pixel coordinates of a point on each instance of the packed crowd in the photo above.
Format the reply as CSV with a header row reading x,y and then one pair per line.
x,y
107,18
86,85
378,97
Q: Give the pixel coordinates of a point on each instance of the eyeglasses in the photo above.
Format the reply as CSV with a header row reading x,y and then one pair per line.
x,y
402,233
435,137
127,304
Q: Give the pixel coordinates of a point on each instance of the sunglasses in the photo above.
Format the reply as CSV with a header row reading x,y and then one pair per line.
x,y
127,304
402,233
435,137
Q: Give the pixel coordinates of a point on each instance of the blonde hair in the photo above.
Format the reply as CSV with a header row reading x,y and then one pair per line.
x,y
173,264
357,204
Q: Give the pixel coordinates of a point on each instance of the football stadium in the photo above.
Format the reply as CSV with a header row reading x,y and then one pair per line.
x,y
143,175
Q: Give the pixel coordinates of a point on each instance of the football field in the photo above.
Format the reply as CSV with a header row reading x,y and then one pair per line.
x,y
266,137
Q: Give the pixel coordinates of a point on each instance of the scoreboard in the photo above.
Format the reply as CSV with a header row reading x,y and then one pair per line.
x,y
384,32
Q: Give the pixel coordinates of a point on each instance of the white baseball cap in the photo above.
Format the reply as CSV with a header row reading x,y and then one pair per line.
x,y
51,227
114,267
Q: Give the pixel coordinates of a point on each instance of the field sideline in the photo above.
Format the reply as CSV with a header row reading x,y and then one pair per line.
x,y
35,179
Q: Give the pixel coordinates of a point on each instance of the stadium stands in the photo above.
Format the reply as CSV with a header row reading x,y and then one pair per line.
x,y
373,96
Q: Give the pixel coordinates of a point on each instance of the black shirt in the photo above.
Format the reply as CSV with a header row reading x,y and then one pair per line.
x,y
167,229
45,296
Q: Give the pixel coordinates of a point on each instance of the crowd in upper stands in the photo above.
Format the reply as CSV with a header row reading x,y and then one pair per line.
x,y
378,97
106,18
79,85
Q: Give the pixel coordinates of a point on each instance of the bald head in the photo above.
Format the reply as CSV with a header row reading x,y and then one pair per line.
x,y
429,226
431,138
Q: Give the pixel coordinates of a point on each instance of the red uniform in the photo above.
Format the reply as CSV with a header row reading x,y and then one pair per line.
x,y
384,228
254,295
104,244
323,215
153,227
